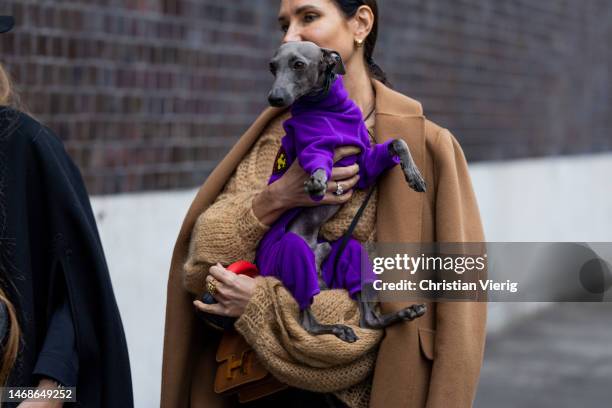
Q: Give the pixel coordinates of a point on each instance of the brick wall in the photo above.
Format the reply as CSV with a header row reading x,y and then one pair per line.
x,y
149,94
511,79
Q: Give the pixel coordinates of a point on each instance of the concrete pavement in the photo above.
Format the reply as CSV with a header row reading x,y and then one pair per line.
x,y
561,357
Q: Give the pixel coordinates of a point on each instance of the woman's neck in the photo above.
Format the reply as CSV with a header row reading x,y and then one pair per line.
x,y
359,87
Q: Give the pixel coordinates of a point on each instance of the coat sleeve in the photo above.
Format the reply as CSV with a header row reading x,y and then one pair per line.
x,y
228,230
460,326
58,358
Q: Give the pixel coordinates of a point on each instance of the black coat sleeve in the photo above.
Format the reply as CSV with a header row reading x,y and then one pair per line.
x,y
58,358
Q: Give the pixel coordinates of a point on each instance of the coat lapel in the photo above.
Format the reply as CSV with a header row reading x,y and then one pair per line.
x,y
399,207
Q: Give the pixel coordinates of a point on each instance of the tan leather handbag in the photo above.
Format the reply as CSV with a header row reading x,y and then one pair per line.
x,y
240,371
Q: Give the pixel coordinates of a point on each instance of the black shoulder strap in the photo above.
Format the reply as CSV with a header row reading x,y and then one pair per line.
x,y
349,232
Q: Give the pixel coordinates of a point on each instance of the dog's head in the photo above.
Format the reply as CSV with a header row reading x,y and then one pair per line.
x,y
301,68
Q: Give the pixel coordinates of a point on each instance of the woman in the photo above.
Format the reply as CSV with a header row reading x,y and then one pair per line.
x,y
408,373
59,322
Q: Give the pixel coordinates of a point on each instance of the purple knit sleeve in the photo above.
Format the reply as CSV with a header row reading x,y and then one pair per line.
x,y
375,161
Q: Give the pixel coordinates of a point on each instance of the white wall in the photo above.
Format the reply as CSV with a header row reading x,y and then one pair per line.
x,y
552,199
546,200
561,199
138,233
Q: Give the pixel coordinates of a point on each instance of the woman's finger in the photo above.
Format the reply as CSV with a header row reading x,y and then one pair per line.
x,y
221,274
215,308
331,198
343,173
332,185
221,289
344,151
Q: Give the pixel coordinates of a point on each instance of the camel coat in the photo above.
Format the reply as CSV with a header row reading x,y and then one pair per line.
x,y
433,361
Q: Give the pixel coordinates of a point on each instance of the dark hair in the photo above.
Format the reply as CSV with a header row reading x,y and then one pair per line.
x,y
349,9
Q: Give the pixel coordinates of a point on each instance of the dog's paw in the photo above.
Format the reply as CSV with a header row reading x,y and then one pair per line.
x,y
316,185
412,312
415,180
345,333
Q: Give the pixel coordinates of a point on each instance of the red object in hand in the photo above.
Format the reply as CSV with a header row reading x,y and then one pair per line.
x,y
225,322
244,268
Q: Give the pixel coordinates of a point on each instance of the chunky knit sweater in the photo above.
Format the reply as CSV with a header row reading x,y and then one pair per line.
x,y
229,230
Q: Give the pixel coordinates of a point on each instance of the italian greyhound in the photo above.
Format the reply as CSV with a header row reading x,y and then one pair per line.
x,y
305,72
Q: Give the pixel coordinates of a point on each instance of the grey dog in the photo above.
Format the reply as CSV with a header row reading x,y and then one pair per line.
x,y
302,68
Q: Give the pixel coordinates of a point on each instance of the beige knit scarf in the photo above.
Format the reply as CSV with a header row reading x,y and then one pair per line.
x,y
320,363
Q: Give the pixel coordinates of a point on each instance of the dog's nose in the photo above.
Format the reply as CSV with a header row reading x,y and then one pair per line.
x,y
278,102
276,99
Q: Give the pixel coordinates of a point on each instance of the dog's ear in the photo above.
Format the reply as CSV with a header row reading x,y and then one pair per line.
x,y
333,61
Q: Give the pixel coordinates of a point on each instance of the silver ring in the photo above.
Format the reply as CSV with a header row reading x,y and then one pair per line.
x,y
339,189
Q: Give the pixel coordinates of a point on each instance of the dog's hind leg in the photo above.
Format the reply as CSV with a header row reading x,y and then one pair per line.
x,y
312,326
411,172
371,319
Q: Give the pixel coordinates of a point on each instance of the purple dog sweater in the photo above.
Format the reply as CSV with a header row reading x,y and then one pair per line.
x,y
315,129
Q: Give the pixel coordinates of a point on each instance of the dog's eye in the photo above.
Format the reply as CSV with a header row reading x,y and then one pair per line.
x,y
298,65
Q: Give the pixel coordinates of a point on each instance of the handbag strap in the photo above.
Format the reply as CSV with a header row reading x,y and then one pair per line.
x,y
349,232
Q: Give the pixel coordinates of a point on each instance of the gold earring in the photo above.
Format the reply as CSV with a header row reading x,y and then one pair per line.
x,y
358,43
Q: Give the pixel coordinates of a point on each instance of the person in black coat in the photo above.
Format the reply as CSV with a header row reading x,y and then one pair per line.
x,y
59,321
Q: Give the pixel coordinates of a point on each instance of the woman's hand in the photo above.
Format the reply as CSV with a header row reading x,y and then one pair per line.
x,y
233,292
288,191
44,384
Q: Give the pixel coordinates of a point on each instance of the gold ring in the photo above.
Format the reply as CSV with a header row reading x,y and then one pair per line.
x,y
211,287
